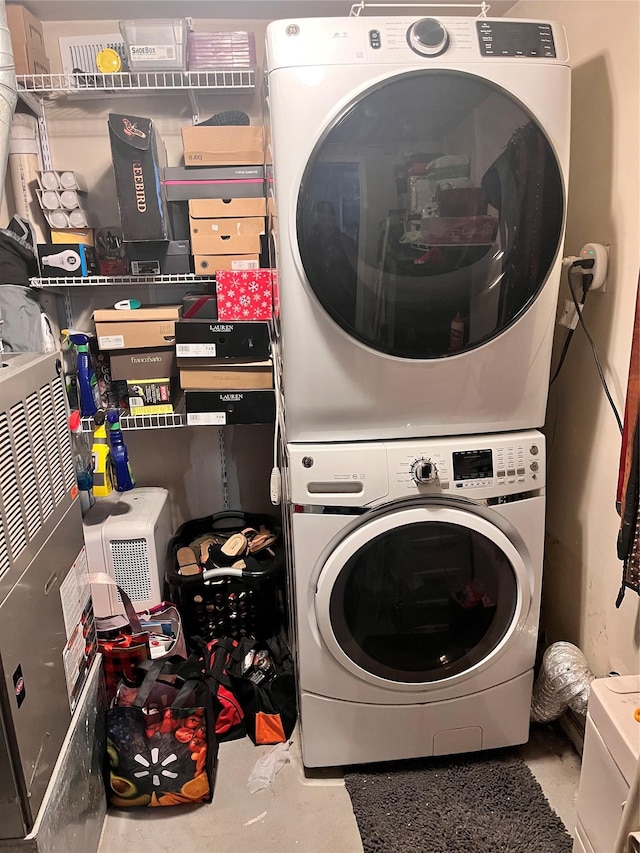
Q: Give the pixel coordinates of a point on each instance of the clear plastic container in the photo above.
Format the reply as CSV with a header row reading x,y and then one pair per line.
x,y
159,45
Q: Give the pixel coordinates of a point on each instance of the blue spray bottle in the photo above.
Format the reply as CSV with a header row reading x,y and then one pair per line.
x,y
87,381
123,474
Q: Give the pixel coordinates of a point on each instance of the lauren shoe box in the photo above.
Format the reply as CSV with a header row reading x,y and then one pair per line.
x,y
141,328
230,407
225,244
207,339
222,208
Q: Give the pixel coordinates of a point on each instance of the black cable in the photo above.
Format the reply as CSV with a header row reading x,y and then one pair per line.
x,y
587,279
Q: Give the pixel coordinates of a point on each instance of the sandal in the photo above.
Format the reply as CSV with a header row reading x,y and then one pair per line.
x,y
261,541
187,562
235,546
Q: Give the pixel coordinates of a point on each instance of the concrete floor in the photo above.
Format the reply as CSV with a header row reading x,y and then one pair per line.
x,y
303,812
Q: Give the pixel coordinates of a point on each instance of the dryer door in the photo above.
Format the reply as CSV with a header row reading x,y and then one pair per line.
x,y
430,214
420,594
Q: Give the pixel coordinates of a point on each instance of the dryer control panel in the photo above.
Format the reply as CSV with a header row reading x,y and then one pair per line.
x,y
363,474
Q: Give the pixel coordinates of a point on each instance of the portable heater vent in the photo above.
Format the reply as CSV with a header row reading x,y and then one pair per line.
x,y
131,567
37,471
45,487
10,494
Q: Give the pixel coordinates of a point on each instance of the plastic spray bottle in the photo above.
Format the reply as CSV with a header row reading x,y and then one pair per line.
x,y
87,382
83,462
101,455
123,473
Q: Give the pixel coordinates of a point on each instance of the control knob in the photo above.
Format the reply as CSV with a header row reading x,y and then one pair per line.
x,y
424,471
428,37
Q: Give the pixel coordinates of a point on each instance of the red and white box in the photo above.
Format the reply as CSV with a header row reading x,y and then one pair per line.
x,y
244,294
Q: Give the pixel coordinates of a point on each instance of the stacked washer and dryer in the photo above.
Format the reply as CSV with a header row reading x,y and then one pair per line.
x,y
419,177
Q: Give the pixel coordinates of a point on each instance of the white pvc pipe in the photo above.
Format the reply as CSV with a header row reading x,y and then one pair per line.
x,y
8,92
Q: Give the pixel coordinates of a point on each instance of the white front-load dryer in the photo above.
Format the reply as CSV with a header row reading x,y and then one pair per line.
x,y
420,175
415,572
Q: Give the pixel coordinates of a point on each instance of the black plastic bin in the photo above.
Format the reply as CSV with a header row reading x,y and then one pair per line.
x,y
228,606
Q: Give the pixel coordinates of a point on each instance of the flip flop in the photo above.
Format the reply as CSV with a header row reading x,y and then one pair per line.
x,y
204,549
261,541
187,562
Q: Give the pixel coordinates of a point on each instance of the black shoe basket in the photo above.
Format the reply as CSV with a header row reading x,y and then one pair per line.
x,y
228,606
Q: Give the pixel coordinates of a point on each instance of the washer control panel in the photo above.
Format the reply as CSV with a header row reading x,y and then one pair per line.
x,y
361,474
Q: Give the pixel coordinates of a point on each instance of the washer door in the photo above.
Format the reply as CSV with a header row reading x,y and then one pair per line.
x,y
421,594
430,214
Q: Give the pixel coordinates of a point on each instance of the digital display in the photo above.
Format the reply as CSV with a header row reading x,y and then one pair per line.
x,y
502,38
472,464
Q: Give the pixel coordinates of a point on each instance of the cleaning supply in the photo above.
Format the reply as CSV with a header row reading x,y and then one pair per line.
x,y
87,381
83,462
456,334
123,475
101,455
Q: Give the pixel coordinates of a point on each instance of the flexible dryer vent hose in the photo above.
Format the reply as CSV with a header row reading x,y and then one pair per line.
x,y
564,681
8,92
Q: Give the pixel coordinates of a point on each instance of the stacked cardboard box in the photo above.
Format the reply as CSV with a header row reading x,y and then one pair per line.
x,y
27,41
141,344
225,371
223,181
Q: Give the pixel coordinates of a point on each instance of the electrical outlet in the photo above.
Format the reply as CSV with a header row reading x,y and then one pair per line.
x,y
569,316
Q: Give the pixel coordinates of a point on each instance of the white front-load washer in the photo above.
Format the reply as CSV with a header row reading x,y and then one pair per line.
x,y
415,571
420,175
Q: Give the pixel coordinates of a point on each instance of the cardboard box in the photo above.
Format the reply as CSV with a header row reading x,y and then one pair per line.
x,y
151,312
250,376
249,225
208,264
138,154
144,364
230,407
67,260
201,306
244,295
147,334
25,29
208,145
164,258
220,208
211,339
225,244
76,235
29,60
149,392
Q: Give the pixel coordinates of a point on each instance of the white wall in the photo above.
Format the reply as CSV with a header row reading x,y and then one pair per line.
x,y
582,572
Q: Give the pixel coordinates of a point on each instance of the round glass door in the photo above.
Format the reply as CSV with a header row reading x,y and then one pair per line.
x,y
429,214
421,600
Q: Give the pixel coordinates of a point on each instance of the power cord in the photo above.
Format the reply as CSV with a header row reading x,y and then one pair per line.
x,y
587,278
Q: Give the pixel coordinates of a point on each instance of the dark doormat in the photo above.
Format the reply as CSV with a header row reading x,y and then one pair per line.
x,y
476,803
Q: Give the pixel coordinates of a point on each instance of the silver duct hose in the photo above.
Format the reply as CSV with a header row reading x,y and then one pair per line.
x,y
8,93
563,682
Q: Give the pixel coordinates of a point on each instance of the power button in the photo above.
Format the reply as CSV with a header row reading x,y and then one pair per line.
x,y
374,39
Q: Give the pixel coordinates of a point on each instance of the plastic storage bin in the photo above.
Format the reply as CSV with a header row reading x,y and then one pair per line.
x,y
226,606
159,45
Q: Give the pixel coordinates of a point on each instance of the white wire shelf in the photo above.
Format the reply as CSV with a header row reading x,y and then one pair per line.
x,y
145,82
123,280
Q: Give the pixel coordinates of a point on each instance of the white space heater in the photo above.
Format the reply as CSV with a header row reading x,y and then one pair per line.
x,y
126,537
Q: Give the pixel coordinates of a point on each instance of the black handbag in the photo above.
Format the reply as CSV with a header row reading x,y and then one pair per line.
x,y
265,688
